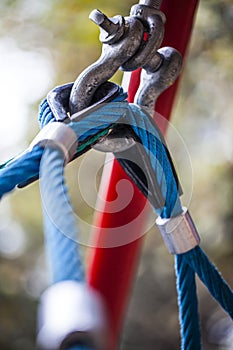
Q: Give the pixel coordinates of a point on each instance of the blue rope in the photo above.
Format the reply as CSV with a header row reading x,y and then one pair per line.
x,y
211,277
20,170
45,115
187,264
27,166
61,235
86,130
141,124
188,305
152,141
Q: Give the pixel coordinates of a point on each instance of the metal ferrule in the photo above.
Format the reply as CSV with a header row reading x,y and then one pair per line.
x,y
57,135
179,233
71,313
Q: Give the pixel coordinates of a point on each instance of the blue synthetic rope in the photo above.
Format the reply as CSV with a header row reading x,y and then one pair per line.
x,y
101,119
188,305
150,137
144,128
19,170
186,275
62,251
27,167
187,264
45,114
60,235
211,278
141,125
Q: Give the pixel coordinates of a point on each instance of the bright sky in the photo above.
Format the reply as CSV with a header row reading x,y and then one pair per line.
x,y
25,78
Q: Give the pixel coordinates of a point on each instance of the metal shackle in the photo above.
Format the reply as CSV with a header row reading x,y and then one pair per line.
x,y
71,313
155,81
153,21
112,57
124,46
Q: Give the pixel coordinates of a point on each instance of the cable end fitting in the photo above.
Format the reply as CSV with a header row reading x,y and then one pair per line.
x,y
57,135
179,233
71,313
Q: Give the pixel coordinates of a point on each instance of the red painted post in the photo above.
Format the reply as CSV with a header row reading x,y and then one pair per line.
x,y
112,270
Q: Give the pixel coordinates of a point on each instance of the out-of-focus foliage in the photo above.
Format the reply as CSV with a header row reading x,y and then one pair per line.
x,y
61,31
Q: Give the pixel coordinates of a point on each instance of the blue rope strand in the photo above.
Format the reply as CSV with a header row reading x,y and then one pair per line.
x,y
211,277
45,114
188,305
152,141
20,170
61,235
99,120
147,131
187,264
189,319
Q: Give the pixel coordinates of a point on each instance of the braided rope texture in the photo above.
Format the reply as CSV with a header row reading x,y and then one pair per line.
x,y
151,139
27,166
60,226
188,305
211,277
187,264
19,170
63,253
86,130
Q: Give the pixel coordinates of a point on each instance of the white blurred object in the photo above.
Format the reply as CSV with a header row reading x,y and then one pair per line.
x,y
25,77
220,331
71,313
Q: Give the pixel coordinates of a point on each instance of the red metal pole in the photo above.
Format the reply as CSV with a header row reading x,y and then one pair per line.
x,y
112,269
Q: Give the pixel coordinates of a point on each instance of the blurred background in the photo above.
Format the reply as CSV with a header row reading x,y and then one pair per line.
x,y
44,43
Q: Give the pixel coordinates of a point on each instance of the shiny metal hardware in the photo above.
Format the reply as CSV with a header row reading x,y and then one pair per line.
x,y
151,3
179,233
156,80
128,51
124,47
119,139
151,87
153,21
57,135
112,57
58,100
71,313
128,43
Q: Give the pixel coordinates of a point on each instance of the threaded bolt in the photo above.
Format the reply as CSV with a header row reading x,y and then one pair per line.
x,y
103,21
152,3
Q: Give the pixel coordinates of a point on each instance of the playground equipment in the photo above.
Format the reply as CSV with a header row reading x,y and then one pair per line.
x,y
92,112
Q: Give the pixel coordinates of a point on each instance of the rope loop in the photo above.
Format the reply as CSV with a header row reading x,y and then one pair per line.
x,y
163,192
